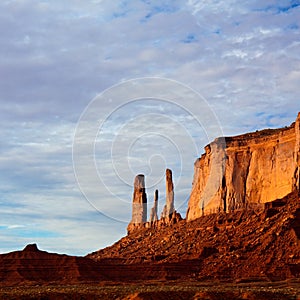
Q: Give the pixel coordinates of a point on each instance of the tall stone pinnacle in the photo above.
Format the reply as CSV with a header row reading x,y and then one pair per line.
x,y
169,207
297,154
153,213
139,201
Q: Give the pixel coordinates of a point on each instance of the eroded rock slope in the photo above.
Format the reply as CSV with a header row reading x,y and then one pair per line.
x,y
242,244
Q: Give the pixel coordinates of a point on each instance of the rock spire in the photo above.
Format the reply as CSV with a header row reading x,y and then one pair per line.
x,y
169,207
297,154
153,213
139,201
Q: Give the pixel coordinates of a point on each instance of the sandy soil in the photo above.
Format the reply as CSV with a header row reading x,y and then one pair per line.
x,y
158,290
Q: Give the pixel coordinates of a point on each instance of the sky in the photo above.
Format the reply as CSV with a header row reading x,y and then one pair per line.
x,y
93,93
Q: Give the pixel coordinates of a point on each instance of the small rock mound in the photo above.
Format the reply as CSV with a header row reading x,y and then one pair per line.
x,y
31,248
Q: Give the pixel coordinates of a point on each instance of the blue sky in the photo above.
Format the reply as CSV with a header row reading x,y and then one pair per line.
x,y
57,56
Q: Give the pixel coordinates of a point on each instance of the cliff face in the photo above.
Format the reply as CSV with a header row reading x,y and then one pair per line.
x,y
246,170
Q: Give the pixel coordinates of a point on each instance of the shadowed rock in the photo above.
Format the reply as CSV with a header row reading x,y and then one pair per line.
x,y
31,248
153,213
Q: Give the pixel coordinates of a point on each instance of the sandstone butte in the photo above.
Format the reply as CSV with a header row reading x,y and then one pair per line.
x,y
246,171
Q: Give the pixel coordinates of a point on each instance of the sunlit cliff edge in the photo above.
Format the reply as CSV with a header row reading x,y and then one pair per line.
x,y
246,170
234,173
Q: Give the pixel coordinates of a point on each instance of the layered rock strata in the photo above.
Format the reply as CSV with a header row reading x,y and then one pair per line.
x,y
32,266
246,170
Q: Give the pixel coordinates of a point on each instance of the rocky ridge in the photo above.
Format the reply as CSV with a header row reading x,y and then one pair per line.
x,y
240,246
259,244
33,266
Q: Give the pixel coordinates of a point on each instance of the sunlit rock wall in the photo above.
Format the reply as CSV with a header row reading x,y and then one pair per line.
x,y
246,171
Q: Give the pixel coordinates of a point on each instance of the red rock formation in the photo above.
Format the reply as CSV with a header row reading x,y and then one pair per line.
x,y
297,154
32,266
244,244
246,170
139,203
169,215
169,207
241,245
153,213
